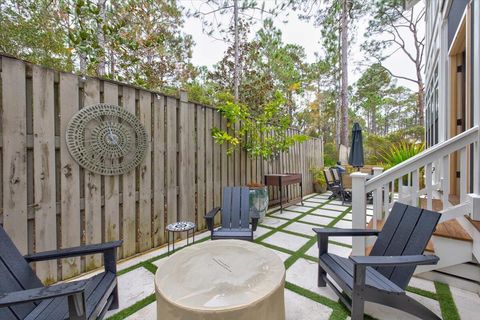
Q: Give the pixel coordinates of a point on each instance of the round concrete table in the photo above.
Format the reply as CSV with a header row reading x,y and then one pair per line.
x,y
222,279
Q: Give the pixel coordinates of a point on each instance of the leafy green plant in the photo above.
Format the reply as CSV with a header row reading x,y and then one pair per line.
x,y
261,133
400,152
318,176
330,154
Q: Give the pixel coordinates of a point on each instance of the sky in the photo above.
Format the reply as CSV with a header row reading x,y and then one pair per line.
x,y
208,51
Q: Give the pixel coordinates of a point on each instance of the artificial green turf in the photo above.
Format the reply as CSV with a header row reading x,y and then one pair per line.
x,y
133,308
445,299
421,292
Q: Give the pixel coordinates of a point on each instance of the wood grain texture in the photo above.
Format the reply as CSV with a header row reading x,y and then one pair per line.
x,y
159,143
201,187
14,152
129,203
217,169
93,187
209,183
112,206
144,237
70,193
171,160
186,156
44,170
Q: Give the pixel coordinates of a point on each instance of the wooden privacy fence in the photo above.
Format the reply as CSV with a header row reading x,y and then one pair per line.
x,y
49,202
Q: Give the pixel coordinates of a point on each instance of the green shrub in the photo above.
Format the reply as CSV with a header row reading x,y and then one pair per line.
x,y
398,153
329,154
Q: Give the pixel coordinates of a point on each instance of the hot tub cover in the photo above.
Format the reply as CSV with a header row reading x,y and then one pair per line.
x,y
223,279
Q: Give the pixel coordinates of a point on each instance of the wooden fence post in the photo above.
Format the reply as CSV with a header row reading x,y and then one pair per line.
x,y
359,210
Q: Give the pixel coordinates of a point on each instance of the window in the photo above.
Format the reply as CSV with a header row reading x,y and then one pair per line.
x,y
431,109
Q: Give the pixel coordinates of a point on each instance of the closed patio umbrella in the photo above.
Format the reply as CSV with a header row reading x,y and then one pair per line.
x,y
355,158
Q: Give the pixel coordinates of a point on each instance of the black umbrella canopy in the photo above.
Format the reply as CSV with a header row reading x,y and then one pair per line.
x,y
355,158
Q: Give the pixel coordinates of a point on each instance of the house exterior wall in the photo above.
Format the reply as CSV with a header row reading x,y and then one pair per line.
x,y
442,20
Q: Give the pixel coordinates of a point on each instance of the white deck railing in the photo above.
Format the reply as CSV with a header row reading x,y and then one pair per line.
x,y
427,174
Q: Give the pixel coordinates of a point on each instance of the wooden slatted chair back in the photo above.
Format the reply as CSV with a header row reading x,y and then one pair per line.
x,y
336,175
236,208
328,176
16,275
406,232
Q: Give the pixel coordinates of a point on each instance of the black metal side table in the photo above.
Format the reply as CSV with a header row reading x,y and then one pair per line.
x,y
181,226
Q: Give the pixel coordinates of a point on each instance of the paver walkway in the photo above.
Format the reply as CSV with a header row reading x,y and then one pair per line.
x,y
289,234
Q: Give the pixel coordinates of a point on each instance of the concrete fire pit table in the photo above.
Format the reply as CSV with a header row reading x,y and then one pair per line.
x,y
223,279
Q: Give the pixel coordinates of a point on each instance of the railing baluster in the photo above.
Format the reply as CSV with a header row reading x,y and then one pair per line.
x,y
463,174
445,181
428,185
415,183
386,196
400,189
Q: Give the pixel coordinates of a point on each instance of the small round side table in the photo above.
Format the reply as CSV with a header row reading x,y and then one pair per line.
x,y
180,226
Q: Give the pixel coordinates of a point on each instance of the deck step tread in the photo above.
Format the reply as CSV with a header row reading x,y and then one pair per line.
x,y
475,223
449,229
453,230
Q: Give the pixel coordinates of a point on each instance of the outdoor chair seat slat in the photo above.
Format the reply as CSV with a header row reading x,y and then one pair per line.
x,y
373,278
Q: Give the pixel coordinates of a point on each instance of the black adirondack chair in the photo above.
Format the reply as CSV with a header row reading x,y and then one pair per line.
x,y
23,296
344,193
331,184
235,216
383,276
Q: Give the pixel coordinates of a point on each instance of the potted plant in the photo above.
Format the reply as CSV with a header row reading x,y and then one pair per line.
x,y
260,132
319,183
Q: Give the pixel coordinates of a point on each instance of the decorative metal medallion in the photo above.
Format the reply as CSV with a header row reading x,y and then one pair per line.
x,y
106,139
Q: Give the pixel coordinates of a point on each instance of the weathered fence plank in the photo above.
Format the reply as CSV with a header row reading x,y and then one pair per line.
x,y
200,143
186,155
217,171
93,187
112,207
44,169
209,182
144,237
158,146
70,191
171,159
14,152
129,191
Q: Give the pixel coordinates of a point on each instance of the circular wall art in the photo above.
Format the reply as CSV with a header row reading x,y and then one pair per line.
x,y
106,139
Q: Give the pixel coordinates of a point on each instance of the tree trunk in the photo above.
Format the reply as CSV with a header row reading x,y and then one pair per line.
x,y
420,102
235,67
344,71
101,38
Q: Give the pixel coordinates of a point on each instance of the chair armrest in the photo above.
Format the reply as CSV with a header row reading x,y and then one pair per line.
x,y
209,217
255,216
74,251
336,232
36,294
394,260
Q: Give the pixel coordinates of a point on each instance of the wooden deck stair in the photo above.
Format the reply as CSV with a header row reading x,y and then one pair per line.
x,y
449,229
437,204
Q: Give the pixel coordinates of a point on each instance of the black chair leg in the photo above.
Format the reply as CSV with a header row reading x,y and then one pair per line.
x,y
114,304
321,277
358,307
